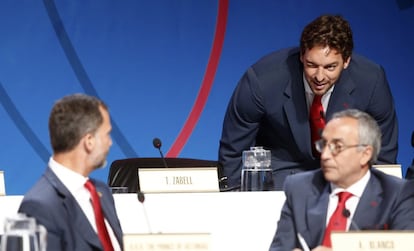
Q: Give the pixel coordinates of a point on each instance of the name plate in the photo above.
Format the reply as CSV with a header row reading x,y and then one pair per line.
x,y
2,185
372,240
167,242
173,180
394,170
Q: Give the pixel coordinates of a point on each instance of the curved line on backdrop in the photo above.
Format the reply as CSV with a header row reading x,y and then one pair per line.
x,y
80,72
22,125
207,83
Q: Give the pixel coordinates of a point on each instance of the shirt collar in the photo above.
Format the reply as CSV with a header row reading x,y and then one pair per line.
x,y
73,181
356,189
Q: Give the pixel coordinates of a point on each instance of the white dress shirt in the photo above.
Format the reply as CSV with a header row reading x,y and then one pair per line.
x,y
351,204
309,95
75,182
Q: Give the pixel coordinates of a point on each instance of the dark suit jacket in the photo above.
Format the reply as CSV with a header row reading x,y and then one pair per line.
x,y
53,206
386,203
268,108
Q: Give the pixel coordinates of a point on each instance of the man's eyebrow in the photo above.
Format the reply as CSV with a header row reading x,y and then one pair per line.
x,y
334,140
335,63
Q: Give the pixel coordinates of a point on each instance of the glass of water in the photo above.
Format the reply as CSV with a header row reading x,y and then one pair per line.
x,y
257,172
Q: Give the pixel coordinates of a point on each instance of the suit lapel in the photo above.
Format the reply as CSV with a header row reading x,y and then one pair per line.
x,y
296,111
83,227
369,207
109,212
341,98
75,213
316,214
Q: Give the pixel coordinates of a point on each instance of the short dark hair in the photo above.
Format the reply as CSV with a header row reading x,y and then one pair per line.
x,y
328,30
71,118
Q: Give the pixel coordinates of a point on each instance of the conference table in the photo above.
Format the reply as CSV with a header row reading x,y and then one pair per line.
x,y
242,221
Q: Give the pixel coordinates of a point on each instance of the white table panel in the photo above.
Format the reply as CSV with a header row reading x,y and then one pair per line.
x,y
236,220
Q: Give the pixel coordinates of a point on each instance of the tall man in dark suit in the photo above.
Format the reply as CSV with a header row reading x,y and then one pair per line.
x,y
350,143
79,127
271,104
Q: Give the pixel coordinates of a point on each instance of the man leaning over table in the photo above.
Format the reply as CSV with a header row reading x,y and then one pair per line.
x,y
368,199
282,101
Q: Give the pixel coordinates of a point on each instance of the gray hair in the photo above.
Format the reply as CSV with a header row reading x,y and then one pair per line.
x,y
368,130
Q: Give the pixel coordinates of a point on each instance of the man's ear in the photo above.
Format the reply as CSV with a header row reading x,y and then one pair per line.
x,y
89,142
366,155
346,63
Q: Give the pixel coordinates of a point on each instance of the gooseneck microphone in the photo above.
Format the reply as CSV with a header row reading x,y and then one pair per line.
x,y
141,198
346,213
157,144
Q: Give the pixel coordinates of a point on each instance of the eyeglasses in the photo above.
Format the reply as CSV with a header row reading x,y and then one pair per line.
x,y
335,146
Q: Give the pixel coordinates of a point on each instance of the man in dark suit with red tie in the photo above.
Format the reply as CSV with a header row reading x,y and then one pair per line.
x,y
346,192
287,95
78,212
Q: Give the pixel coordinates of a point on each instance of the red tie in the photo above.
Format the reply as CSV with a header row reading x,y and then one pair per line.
x,y
99,219
338,219
316,121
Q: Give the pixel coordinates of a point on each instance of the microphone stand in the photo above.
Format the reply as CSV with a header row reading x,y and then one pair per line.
x,y
157,144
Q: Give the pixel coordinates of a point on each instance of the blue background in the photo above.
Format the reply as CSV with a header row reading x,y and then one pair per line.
x,y
147,61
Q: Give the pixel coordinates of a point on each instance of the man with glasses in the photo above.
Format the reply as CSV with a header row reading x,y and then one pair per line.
x,y
346,193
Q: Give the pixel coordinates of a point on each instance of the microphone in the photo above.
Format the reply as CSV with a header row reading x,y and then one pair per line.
x,y
141,198
346,213
157,144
